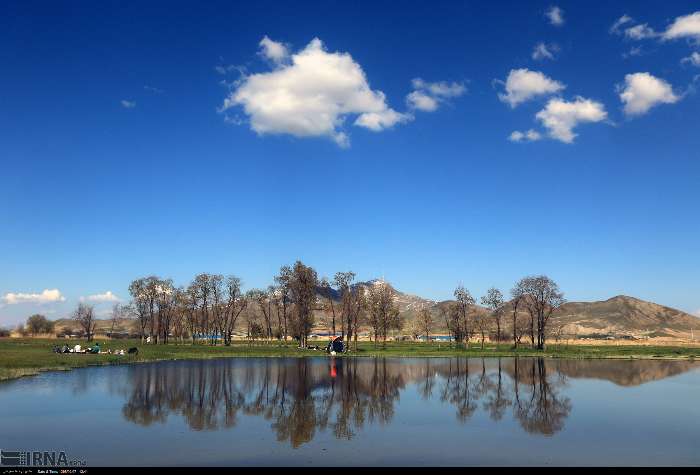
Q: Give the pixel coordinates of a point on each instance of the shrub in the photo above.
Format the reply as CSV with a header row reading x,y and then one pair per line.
x,y
37,324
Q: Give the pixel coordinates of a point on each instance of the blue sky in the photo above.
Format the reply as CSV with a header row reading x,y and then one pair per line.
x,y
169,138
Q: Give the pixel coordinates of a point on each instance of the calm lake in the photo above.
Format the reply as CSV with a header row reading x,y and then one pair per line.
x,y
361,411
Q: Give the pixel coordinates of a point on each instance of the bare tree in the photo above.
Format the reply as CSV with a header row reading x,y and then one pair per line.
x,y
343,282
425,322
482,323
557,331
383,311
465,301
543,298
144,293
216,297
263,300
451,314
303,284
493,300
276,300
357,303
283,281
115,317
165,305
235,304
517,294
202,286
84,315
190,307
413,329
251,317
327,291
180,301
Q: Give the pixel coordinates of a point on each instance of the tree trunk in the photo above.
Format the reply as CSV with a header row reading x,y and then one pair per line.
x,y
333,312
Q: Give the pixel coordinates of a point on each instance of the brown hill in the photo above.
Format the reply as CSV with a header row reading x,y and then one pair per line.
x,y
123,325
624,315
617,317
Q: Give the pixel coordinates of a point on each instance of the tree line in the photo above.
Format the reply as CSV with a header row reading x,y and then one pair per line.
x,y
534,299
213,306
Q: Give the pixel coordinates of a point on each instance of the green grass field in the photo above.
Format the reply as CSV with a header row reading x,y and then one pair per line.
x,y
27,356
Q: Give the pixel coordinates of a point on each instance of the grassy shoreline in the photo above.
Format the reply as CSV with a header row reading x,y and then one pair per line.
x,y
27,356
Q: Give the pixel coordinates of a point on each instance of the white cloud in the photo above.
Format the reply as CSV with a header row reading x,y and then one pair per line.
x,y
684,26
378,121
555,15
523,84
560,116
273,50
640,32
529,136
105,297
311,96
693,59
544,51
421,101
442,89
48,295
427,96
624,19
128,104
642,91
687,26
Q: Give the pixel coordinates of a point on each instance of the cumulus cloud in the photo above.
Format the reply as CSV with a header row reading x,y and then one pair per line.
x,y
273,50
311,96
693,59
528,136
544,51
623,20
642,91
128,104
421,101
48,295
378,121
555,15
560,117
105,297
427,96
523,84
687,26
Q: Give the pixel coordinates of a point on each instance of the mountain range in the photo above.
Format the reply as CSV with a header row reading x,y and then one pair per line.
x,y
618,317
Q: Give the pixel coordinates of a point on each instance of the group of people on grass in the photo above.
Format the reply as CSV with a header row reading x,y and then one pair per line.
x,y
95,349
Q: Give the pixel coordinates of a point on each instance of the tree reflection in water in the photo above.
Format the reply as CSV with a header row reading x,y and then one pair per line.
x,y
342,395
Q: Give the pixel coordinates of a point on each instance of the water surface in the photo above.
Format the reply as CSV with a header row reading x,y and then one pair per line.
x,y
361,411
